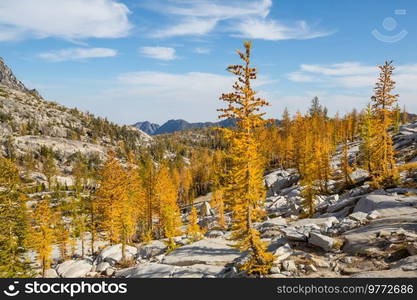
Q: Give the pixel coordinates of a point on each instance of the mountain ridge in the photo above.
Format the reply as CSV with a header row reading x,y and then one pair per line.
x,y
175,125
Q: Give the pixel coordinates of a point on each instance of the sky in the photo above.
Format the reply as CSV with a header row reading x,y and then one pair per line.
x,y
155,60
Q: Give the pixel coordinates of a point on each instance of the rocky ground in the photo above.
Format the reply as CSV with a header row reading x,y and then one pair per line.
x,y
358,232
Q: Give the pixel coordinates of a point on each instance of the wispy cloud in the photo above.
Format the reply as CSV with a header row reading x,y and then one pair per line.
x,y
191,26
161,53
248,19
71,20
351,83
273,30
346,74
200,50
212,8
77,54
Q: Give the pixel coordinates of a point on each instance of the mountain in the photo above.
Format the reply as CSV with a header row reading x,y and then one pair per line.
x,y
8,79
179,125
28,124
147,127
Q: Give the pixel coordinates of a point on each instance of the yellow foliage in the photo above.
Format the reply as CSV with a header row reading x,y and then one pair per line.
x,y
166,195
120,197
42,235
245,189
194,230
384,172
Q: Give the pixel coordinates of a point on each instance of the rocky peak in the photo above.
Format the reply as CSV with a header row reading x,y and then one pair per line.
x,y
8,79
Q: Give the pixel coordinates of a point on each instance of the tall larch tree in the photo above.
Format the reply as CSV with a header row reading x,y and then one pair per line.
x,y
217,198
385,172
245,188
345,166
119,197
194,230
110,195
169,212
13,223
148,172
368,132
42,233
49,168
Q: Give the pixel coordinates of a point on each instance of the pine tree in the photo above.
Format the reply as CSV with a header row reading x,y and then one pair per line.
x,y
42,234
245,189
13,223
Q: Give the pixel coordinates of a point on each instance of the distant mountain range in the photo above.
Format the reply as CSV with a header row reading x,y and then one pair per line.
x,y
179,125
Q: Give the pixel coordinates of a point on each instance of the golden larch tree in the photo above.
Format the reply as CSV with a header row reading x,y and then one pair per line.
x,y
13,223
194,230
245,187
42,233
385,172
169,212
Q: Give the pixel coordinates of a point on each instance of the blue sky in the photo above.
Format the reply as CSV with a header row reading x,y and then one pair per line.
x,y
135,60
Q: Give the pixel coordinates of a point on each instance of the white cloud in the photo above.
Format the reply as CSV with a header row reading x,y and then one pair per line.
x,y
346,68
244,18
352,75
346,74
161,53
212,8
274,31
77,54
200,50
192,26
71,20
351,84
301,77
